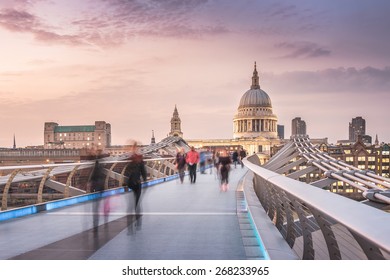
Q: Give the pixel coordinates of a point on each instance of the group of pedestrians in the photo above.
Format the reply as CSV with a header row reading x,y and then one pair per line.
x,y
190,159
135,173
222,162
238,156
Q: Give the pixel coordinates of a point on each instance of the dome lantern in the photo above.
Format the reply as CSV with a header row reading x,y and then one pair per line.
x,y
255,79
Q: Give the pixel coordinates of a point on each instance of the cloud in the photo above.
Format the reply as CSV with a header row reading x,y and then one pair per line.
x,y
19,4
283,11
302,50
353,80
25,22
110,23
170,18
18,21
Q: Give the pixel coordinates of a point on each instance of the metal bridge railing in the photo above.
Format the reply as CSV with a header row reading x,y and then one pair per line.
x,y
34,184
318,224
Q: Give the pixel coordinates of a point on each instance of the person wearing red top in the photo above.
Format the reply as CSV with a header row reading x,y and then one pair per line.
x,y
192,159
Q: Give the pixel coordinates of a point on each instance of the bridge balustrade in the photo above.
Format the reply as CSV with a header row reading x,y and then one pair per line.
x,y
318,224
35,184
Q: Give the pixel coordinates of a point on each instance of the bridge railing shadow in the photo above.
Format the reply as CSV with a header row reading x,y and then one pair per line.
x,y
318,224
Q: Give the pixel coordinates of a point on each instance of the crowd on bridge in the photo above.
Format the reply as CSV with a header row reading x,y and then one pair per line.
x,y
219,160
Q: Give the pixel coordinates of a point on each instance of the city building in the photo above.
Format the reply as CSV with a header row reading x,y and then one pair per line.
x,y
77,136
280,131
298,127
357,127
373,157
254,125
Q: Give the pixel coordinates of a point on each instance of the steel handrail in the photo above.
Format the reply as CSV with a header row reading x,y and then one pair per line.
x,y
367,222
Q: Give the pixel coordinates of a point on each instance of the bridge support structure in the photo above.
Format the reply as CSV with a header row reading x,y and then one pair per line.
x,y
318,224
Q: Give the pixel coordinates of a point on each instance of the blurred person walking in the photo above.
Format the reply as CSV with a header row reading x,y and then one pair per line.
x,y
202,162
224,169
96,184
192,160
216,163
242,156
180,163
135,172
235,158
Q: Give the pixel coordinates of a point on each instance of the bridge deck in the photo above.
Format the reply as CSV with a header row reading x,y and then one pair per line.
x,y
179,221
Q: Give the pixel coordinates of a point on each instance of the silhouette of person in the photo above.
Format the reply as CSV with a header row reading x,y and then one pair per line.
x,y
242,156
235,158
97,185
224,169
181,163
192,160
135,172
216,163
202,162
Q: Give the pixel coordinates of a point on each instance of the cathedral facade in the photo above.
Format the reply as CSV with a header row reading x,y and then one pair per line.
x,y
254,125
254,116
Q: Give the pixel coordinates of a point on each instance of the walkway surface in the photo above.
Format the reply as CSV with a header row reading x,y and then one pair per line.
x,y
178,221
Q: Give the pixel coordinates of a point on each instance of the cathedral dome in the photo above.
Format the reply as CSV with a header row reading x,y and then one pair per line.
x,y
255,98
254,116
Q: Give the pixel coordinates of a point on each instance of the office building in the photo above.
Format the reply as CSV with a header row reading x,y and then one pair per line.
x,y
298,127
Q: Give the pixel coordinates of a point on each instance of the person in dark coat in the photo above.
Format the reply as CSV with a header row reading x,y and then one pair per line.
x,y
242,156
135,172
235,158
224,169
96,184
180,163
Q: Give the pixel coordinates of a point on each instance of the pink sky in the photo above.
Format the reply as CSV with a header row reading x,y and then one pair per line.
x,y
129,62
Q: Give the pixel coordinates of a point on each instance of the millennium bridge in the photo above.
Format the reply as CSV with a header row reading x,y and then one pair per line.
x,y
268,213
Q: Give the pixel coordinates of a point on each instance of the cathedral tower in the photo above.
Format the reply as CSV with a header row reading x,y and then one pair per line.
x,y
176,124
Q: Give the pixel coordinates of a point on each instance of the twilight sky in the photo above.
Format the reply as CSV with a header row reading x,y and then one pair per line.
x,y
128,62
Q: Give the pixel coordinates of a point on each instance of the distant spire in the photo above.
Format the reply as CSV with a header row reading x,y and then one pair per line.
x,y
175,112
376,140
14,142
255,79
153,141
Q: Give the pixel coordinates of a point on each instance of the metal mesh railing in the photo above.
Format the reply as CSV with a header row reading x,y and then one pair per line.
x,y
318,224
34,184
